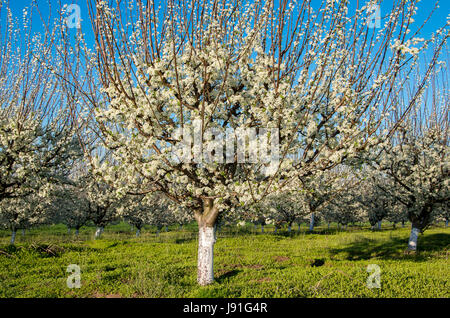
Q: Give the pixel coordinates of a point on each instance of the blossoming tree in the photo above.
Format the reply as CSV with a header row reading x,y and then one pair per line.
x,y
314,84
416,159
23,212
37,142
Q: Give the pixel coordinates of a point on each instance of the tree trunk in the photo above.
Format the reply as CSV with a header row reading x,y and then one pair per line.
x,y
77,231
289,228
403,223
299,227
446,223
68,230
98,232
138,232
262,228
379,225
328,225
13,237
207,227
275,230
23,232
167,228
311,223
412,244
207,238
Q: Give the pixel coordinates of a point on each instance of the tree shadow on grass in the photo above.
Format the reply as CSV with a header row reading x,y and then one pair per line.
x,y
227,275
394,249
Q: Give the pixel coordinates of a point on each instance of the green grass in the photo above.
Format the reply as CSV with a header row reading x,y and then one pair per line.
x,y
326,263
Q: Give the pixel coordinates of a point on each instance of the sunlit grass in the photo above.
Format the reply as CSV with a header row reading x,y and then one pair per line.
x,y
326,263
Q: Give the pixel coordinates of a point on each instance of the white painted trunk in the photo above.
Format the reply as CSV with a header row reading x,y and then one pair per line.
x,y
206,240
138,232
412,244
13,237
311,223
98,232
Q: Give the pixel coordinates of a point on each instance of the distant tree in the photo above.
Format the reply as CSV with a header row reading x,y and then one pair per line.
x,y
37,137
70,206
22,213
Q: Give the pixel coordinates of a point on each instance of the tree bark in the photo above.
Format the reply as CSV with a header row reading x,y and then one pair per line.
x,y
138,232
207,226
98,232
379,225
77,231
207,239
412,244
13,237
311,223
262,228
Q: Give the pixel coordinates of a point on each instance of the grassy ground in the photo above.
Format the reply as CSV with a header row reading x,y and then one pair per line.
x,y
327,263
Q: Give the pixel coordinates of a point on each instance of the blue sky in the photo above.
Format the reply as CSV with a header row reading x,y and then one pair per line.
x,y
425,6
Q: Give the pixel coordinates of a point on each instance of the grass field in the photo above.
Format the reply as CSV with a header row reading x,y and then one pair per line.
x,y
326,263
